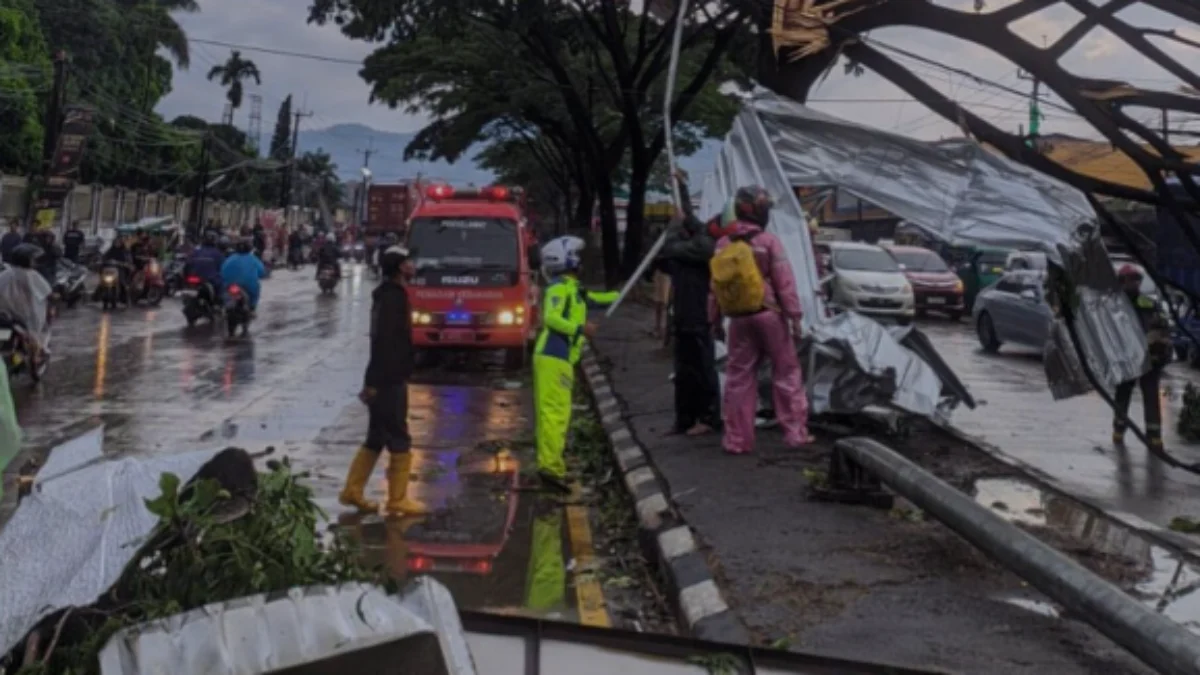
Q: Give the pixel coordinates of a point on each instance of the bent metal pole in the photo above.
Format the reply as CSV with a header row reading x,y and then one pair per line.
x,y
668,100
1153,638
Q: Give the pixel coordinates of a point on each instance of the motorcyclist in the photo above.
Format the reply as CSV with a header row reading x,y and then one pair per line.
x,y
118,255
206,262
295,247
73,241
329,255
24,294
1158,352
10,240
244,269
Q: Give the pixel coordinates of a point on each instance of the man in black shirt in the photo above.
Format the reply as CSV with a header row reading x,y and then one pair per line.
x,y
10,240
73,240
385,391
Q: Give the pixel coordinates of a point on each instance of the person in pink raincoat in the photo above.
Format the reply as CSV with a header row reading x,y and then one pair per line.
x,y
771,334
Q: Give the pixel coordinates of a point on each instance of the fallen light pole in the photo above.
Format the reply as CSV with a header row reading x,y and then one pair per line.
x,y
1153,638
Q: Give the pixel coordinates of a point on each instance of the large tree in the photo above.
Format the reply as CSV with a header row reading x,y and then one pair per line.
x,y
232,74
578,53
281,138
318,172
24,73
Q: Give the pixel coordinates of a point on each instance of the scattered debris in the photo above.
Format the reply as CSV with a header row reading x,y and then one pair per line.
x,y
1189,414
721,663
1185,524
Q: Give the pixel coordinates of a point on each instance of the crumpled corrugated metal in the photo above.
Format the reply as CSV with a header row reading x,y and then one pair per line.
x,y
955,191
268,633
69,541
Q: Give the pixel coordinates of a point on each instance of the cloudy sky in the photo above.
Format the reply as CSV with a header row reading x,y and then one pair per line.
x,y
334,93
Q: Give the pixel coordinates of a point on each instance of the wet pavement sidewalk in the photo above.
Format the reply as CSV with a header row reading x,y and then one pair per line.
x,y
843,580
1069,442
161,388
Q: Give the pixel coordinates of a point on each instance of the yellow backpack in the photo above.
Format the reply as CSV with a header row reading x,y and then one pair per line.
x,y
736,280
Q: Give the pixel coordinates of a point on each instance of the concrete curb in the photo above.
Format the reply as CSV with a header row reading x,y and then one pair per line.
x,y
697,599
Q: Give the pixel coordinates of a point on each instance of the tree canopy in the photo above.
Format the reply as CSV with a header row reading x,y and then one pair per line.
x,y
585,78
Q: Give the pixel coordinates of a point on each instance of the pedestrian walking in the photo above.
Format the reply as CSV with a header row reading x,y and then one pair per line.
x,y
1158,339
557,351
686,255
385,392
754,287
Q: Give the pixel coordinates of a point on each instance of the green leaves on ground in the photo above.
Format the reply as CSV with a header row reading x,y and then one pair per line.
x,y
210,548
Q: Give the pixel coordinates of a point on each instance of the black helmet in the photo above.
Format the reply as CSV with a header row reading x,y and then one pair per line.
x,y
753,205
243,246
210,238
25,255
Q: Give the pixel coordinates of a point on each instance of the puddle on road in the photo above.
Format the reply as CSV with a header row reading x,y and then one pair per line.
x,y
1164,581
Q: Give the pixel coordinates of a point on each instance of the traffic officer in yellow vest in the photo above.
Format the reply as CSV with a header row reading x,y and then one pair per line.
x,y
564,325
1158,343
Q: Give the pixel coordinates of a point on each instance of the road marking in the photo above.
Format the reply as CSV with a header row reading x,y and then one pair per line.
x,y
589,594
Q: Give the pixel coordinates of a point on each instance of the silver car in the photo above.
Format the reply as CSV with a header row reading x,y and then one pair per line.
x,y
1014,310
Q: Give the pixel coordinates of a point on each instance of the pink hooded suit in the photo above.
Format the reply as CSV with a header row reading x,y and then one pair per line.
x,y
763,335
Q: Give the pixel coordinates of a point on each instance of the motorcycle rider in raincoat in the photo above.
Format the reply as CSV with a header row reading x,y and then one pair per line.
x,y
206,262
769,333
25,293
557,351
244,269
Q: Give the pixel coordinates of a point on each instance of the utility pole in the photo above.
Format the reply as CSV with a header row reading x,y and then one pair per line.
x,y
1035,110
54,105
202,189
1166,125
360,204
288,175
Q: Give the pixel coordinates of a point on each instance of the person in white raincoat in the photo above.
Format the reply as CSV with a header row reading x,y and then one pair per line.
x,y
25,293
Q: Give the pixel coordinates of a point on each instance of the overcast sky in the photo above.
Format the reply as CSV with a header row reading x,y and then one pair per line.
x,y
335,93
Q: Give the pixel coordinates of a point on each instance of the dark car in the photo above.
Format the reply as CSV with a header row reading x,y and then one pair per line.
x,y
935,286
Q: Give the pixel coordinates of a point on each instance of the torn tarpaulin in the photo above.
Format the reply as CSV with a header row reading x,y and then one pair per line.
x,y
958,193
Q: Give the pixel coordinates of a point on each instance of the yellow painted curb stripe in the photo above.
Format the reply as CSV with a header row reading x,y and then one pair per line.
x,y
589,594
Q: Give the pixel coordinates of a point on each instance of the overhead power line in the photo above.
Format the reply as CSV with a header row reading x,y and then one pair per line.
x,y
277,52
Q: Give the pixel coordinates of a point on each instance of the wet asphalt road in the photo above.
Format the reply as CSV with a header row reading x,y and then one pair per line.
x,y
1070,440
159,387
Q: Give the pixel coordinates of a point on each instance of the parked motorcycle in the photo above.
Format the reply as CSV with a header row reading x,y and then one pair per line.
x,y
199,301
237,310
69,282
327,279
109,290
16,350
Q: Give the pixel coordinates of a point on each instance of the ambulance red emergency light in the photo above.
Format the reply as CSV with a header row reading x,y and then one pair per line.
x,y
475,287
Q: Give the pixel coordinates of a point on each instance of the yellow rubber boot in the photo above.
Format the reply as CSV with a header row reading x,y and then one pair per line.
x,y
356,482
399,467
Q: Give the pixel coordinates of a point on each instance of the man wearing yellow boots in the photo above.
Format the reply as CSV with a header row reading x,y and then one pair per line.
x,y
385,391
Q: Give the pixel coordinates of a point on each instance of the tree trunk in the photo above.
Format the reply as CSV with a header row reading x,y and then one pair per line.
x,y
581,217
639,176
608,231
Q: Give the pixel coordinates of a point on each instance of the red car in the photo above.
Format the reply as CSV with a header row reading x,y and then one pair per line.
x,y
935,286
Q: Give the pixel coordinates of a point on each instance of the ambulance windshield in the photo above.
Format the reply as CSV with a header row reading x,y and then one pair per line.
x,y
465,243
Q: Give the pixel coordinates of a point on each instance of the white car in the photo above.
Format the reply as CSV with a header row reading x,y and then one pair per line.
x,y
868,280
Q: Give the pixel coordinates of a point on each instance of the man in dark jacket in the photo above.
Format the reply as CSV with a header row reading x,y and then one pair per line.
x,y
10,240
685,257
73,241
385,391
1158,342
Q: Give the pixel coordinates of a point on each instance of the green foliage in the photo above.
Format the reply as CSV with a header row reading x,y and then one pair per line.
x,y
205,550
319,173
1189,415
24,74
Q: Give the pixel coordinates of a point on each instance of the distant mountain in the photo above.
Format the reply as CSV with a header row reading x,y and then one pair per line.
x,y
345,141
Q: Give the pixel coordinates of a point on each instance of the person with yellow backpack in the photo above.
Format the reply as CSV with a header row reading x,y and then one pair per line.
x,y
558,349
754,287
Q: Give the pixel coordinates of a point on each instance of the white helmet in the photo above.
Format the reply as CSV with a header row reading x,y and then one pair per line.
x,y
562,255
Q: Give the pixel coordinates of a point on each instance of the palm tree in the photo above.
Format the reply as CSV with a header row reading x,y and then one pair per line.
x,y
232,73
320,173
